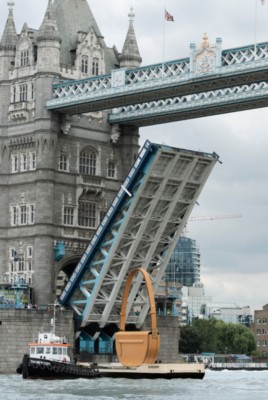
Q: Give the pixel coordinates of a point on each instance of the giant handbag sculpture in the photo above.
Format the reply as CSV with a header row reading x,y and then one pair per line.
x,y
135,348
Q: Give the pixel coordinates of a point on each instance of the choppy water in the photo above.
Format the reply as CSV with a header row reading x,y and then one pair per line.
x,y
225,385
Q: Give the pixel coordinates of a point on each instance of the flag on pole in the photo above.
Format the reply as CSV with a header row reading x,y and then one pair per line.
x,y
168,17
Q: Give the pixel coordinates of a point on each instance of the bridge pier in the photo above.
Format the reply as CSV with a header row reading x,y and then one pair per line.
x,y
168,327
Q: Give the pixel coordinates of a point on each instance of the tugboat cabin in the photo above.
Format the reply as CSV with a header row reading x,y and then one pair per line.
x,y
51,347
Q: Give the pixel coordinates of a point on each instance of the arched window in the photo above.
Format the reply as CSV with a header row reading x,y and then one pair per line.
x,y
88,162
84,65
95,66
23,92
111,169
24,58
87,214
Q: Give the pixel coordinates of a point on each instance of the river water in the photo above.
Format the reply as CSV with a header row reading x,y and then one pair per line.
x,y
223,385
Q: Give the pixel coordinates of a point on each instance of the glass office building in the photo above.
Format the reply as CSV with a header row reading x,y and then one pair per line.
x,y
184,264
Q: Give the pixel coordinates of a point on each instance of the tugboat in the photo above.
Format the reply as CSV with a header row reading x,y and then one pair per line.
x,y
48,358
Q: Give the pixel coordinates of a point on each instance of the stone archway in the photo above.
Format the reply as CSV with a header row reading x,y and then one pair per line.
x,y
65,272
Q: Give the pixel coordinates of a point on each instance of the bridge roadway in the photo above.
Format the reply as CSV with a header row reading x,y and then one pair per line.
x,y
140,229
144,96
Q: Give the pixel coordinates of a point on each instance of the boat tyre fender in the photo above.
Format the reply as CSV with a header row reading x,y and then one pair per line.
x,y
55,368
25,372
49,367
19,369
42,366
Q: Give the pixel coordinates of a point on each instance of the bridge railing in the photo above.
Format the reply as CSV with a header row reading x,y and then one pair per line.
x,y
244,54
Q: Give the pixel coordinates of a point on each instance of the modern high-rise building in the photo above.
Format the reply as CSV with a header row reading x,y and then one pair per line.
x,y
184,264
58,172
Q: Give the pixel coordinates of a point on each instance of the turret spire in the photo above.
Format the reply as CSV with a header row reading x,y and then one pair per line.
x,y
130,56
48,42
11,5
9,37
49,29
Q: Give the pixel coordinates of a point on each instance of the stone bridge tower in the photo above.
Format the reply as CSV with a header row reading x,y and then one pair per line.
x,y
58,173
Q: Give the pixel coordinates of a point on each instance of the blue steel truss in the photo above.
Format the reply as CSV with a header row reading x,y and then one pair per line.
x,y
140,229
234,67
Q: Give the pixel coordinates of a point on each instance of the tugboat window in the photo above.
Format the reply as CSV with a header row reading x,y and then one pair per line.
x,y
48,350
32,350
40,350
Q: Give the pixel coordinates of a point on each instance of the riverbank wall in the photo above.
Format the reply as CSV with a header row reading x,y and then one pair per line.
x,y
18,327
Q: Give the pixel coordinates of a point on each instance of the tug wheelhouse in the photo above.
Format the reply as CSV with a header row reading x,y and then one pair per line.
x,y
51,347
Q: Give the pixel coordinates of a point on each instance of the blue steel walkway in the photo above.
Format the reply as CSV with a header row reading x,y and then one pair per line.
x,y
206,83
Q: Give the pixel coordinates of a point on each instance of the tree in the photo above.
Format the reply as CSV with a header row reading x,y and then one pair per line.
x,y
216,337
207,329
190,340
235,338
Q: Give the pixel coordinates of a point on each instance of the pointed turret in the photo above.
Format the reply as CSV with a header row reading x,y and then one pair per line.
x,y
130,56
8,44
48,41
49,29
9,37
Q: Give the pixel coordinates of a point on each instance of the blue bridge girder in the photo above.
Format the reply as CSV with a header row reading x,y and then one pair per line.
x,y
140,229
213,102
169,80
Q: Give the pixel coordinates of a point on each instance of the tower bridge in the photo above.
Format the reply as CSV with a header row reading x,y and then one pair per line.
x,y
209,82
73,177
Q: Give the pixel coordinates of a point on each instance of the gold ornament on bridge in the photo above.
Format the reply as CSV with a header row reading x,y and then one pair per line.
x,y
205,43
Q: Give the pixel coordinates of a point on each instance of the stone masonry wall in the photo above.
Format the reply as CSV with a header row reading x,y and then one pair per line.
x,y
19,327
168,327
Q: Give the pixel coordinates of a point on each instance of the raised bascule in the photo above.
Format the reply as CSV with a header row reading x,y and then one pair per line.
x,y
141,228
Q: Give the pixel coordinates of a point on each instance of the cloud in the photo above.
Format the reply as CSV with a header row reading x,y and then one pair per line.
x,y
234,252
228,288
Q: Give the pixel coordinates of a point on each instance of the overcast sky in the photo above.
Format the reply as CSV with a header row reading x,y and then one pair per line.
x,y
234,251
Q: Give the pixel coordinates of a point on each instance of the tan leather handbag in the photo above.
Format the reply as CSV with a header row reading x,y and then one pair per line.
x,y
135,348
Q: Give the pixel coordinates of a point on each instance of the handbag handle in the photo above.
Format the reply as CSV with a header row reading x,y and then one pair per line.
x,y
151,299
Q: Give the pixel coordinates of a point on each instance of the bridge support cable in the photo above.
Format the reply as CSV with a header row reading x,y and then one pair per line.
x,y
140,229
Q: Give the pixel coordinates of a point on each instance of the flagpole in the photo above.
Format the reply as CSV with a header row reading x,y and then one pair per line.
x,y
255,28
166,17
164,38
